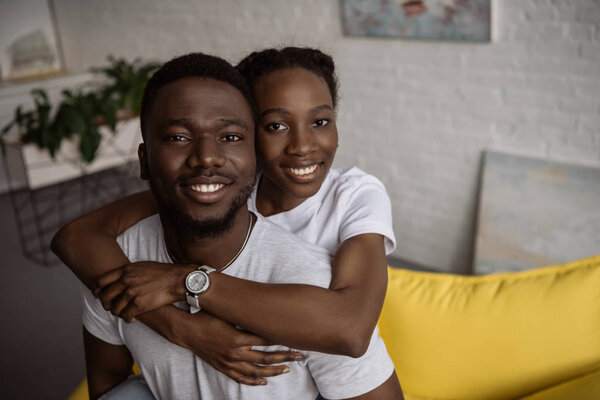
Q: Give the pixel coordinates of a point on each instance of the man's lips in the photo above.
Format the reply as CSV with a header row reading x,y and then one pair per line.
x,y
206,189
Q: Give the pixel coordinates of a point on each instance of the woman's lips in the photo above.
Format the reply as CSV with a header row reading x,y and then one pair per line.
x,y
302,174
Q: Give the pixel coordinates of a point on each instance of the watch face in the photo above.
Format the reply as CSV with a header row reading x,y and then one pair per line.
x,y
196,281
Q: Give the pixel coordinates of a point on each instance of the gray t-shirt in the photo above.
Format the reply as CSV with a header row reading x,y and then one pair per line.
x,y
272,255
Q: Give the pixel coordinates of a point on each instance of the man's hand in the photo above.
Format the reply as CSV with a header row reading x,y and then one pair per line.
x,y
229,350
139,287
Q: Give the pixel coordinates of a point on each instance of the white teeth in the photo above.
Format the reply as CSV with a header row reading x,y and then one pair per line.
x,y
304,171
207,188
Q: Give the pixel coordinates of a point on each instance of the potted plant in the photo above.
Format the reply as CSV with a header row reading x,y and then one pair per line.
x,y
91,128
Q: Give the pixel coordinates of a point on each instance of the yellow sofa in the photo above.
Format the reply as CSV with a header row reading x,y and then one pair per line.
x,y
532,334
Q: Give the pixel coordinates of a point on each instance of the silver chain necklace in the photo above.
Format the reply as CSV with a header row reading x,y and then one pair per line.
x,y
235,257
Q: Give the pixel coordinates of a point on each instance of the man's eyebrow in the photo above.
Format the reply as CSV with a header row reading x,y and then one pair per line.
x,y
184,122
233,122
274,110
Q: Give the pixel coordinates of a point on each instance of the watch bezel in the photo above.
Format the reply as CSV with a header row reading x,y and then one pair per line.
x,y
204,285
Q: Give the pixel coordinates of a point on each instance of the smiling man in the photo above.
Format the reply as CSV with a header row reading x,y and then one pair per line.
x,y
198,156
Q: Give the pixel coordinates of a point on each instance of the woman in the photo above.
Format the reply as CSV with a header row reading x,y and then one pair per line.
x,y
345,211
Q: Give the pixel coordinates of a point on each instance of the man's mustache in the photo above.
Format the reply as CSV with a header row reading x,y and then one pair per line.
x,y
208,173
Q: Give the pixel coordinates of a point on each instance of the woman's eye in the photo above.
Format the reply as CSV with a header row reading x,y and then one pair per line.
x,y
231,138
320,122
275,126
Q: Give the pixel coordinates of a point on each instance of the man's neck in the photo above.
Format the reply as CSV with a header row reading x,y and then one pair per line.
x,y
214,251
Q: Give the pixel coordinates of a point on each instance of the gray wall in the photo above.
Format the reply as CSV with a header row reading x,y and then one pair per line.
x,y
415,114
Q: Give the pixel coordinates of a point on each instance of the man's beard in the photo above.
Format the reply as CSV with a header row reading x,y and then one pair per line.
x,y
209,227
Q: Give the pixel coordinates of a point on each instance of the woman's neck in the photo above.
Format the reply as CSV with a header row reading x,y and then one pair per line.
x,y
270,199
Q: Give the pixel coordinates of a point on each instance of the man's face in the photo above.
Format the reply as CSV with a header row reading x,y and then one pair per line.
x,y
199,154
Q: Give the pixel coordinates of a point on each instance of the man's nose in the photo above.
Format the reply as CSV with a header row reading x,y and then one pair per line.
x,y
302,141
206,153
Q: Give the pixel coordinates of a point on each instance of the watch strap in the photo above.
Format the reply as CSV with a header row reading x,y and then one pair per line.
x,y
192,300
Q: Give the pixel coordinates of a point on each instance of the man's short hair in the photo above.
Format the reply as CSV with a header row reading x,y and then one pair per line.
x,y
193,65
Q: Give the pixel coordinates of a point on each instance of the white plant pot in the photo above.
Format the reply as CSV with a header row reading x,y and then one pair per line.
x,y
31,167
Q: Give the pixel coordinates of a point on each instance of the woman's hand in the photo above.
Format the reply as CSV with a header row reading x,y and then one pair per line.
x,y
140,287
229,350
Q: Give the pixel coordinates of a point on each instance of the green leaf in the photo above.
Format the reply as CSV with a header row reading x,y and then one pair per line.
x,y
89,143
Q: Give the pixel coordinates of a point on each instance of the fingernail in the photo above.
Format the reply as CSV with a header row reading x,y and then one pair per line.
x,y
299,357
263,382
285,370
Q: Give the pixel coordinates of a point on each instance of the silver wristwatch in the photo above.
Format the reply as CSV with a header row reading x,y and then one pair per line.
x,y
197,282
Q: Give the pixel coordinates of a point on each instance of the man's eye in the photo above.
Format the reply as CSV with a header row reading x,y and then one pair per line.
x,y
231,138
275,127
176,138
320,122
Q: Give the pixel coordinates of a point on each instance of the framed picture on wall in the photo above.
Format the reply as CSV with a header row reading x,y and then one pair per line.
x,y
468,20
29,46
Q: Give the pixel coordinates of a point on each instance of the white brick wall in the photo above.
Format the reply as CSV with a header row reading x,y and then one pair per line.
x,y
415,114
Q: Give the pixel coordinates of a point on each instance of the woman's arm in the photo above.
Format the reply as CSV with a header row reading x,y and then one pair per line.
x,y
84,243
338,320
88,247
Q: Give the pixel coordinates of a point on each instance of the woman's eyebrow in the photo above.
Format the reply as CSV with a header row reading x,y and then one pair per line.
x,y
274,110
321,107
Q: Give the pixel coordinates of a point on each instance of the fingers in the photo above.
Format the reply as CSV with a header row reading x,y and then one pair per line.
x,y
106,279
109,294
260,371
242,338
118,304
250,374
130,312
268,358
245,380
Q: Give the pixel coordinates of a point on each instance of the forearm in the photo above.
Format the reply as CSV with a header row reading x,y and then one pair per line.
x,y
171,323
299,316
87,245
85,263
337,320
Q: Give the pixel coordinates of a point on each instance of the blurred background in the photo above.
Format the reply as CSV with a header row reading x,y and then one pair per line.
x,y
417,111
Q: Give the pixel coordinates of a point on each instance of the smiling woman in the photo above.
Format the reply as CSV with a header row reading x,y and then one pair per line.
x,y
296,137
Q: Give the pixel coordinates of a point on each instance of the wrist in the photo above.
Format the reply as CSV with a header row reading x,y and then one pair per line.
x,y
182,272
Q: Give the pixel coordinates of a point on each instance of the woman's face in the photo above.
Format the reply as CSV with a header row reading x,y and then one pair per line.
x,y
296,136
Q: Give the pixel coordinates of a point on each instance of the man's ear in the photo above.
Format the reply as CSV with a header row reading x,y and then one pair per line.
x,y
143,157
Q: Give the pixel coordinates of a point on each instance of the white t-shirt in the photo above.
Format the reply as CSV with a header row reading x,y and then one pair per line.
x,y
272,255
350,202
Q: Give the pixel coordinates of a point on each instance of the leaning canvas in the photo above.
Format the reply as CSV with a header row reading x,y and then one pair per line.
x,y
535,212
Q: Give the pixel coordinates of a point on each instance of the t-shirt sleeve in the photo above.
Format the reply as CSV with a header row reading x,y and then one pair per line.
x,y
341,377
98,321
367,209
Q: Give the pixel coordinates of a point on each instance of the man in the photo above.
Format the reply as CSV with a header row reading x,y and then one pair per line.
x,y
198,155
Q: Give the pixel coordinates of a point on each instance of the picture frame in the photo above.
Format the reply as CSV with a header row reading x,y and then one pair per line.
x,y
29,44
454,20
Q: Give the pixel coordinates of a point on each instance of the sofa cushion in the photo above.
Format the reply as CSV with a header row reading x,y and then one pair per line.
x,y
496,336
